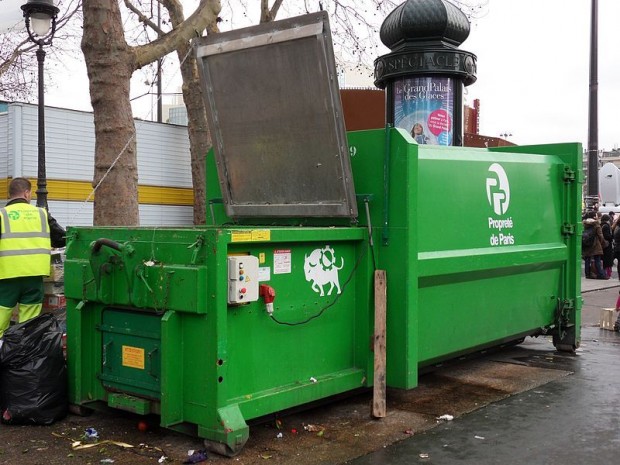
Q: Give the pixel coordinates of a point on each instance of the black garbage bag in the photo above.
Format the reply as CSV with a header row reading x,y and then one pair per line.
x,y
33,373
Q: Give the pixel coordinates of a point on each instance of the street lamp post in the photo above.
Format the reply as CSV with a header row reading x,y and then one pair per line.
x,y
40,19
593,194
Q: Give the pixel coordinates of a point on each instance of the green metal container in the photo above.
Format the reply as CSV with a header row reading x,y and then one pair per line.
x,y
480,247
148,315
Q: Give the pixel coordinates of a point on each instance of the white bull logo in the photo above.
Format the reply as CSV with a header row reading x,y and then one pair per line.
x,y
320,268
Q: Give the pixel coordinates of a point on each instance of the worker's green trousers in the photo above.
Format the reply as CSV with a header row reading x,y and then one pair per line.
x,y
27,292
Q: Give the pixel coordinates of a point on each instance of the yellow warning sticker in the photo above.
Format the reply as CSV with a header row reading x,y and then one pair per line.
x,y
133,357
241,236
261,235
255,235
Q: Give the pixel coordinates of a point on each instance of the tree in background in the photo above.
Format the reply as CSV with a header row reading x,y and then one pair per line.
x,y
197,128
355,26
110,62
347,19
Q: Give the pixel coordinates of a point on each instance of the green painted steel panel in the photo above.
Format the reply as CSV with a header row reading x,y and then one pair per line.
x,y
131,357
480,246
218,362
129,403
461,275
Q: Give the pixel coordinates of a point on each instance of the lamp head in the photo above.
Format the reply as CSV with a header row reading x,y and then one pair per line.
x,y
40,13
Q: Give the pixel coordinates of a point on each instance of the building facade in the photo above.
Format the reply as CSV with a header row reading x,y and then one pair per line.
x,y
164,171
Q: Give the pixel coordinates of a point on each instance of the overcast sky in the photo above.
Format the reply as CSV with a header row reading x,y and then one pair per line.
x,y
533,71
11,13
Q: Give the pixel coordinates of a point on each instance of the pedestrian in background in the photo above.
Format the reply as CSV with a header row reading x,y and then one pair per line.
x,y
615,229
608,250
617,323
27,234
593,253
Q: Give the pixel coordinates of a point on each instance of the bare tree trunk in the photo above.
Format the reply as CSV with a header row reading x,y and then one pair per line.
x,y
198,129
110,64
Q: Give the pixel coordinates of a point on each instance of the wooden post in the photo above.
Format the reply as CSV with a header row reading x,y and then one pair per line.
x,y
379,386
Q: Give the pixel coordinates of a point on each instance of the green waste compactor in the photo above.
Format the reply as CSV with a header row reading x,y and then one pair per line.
x,y
270,306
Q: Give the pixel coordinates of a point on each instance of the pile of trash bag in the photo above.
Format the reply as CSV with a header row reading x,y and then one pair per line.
x,y
33,373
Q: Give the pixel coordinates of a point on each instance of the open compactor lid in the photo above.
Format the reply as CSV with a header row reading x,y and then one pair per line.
x,y
276,120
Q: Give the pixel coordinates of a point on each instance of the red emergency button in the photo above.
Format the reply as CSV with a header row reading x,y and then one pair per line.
x,y
243,290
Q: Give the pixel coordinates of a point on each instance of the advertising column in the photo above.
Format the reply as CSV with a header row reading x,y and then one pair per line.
x,y
425,72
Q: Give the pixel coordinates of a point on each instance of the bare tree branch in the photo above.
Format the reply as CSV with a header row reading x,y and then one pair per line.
x,y
143,18
274,9
206,13
264,11
269,14
18,63
198,129
473,9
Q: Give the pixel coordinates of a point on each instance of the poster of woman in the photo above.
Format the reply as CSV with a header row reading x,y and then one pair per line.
x,y
424,107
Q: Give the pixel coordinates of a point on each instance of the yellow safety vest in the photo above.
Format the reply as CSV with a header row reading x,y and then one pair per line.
x,y
24,241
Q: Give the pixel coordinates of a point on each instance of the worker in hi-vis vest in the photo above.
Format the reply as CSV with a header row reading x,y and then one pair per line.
x,y
27,234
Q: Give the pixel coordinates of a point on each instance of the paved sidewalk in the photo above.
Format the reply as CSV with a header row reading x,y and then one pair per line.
x,y
573,420
570,421
589,285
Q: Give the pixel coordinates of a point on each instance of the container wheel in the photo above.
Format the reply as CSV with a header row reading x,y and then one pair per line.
x,y
80,410
221,448
568,342
566,348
